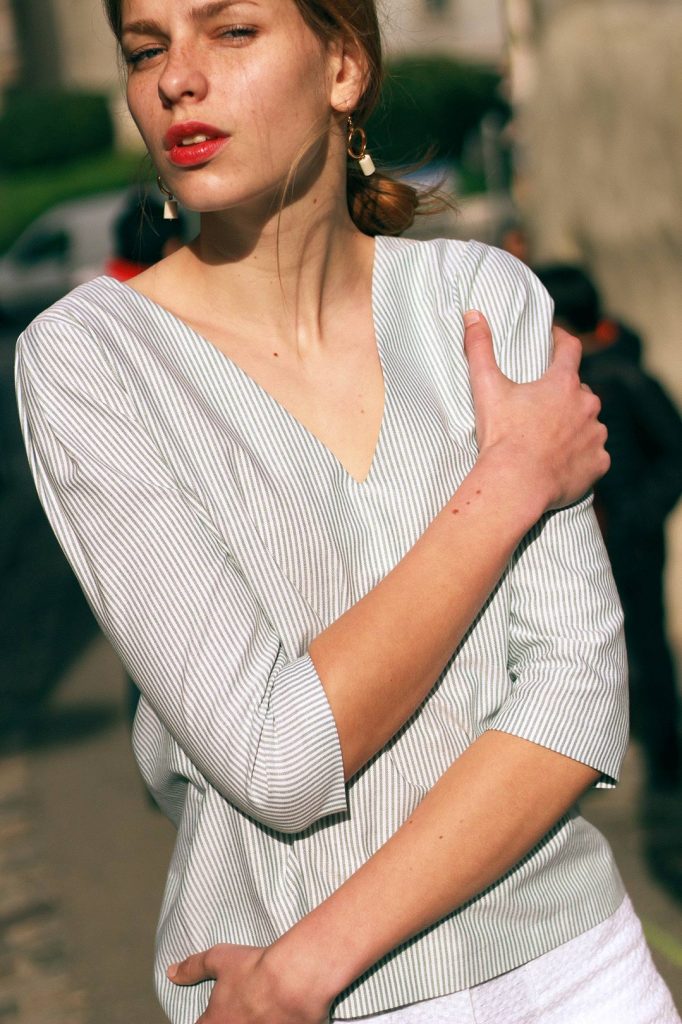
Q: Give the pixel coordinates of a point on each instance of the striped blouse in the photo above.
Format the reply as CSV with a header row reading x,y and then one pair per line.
x,y
215,536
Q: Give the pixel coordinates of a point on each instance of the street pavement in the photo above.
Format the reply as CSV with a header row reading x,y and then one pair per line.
x,y
84,857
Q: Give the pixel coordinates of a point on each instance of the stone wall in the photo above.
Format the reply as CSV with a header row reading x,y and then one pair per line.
x,y
603,151
90,60
472,29
601,159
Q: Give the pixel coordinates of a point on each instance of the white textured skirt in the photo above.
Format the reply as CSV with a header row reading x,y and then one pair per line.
x,y
605,976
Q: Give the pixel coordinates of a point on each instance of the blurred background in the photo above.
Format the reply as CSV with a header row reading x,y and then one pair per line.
x,y
556,126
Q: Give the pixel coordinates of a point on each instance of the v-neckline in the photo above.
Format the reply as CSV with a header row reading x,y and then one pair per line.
x,y
225,359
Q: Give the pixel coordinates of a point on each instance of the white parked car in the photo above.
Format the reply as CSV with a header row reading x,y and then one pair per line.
x,y
62,248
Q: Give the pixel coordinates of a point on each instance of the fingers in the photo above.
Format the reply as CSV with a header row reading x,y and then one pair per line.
x,y
191,971
478,343
484,373
592,401
567,350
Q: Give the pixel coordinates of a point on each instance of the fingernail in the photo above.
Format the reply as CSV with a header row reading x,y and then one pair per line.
x,y
471,317
172,970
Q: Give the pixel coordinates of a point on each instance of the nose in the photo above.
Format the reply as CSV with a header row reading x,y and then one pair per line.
x,y
182,78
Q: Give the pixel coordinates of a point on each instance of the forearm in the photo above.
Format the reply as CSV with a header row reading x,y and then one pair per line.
x,y
492,806
379,660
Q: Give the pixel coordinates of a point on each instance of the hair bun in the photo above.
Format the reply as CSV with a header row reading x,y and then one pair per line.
x,y
380,205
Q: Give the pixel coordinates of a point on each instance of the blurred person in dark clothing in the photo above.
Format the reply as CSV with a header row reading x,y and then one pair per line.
x,y
632,503
142,237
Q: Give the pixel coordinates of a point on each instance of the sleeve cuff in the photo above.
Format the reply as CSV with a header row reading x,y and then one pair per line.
x,y
308,782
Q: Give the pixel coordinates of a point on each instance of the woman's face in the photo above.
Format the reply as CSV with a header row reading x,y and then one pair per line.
x,y
227,95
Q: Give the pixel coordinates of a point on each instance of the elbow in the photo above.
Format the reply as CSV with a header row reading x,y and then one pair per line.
x,y
278,761
273,794
282,796
292,812
292,799
295,764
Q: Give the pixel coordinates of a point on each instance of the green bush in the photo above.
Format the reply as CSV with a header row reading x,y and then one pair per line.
x,y
39,128
430,104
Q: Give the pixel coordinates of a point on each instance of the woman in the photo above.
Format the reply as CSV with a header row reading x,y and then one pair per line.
x,y
376,676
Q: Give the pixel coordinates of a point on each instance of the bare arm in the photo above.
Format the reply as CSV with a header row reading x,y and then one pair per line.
x,y
405,630
489,809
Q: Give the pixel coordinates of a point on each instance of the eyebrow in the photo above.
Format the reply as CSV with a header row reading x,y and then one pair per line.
x,y
204,12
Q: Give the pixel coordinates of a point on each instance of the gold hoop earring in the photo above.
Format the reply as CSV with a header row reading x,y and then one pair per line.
x,y
357,148
170,207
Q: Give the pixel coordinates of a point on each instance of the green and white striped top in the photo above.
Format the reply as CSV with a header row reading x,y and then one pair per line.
x,y
215,536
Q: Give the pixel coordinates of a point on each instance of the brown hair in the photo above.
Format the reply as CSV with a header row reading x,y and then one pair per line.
x,y
378,204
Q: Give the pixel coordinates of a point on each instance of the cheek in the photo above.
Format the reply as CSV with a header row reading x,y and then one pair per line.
x,y
139,122
139,111
288,99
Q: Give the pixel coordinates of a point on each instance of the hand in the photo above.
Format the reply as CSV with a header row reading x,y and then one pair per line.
x,y
548,428
247,990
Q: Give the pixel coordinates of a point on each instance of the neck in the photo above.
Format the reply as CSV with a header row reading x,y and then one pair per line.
x,y
296,266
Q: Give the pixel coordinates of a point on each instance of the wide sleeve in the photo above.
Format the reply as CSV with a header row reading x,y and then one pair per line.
x,y
167,592
566,649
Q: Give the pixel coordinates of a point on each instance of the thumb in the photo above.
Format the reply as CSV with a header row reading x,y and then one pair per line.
x,y
478,348
190,971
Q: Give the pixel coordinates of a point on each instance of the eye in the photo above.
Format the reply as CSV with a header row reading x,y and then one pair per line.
x,y
238,33
139,57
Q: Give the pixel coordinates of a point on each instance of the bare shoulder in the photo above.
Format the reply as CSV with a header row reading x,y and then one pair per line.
x,y
165,281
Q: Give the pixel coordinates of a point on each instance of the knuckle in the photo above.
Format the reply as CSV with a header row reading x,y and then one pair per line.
x,y
562,336
595,404
212,959
479,333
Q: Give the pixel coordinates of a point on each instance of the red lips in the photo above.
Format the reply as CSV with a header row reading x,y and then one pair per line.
x,y
196,152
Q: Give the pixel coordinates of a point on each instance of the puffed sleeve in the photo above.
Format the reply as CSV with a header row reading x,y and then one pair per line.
x,y
567,657
167,593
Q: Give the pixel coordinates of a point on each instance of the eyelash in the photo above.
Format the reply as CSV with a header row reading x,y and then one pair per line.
x,y
237,33
141,56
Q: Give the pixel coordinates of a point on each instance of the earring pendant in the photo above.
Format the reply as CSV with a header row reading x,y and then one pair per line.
x,y
366,165
170,209
357,148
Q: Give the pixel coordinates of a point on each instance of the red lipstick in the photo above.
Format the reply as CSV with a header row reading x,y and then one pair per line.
x,y
184,152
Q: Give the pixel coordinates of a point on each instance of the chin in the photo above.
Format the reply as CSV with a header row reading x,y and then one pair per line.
x,y
265,200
